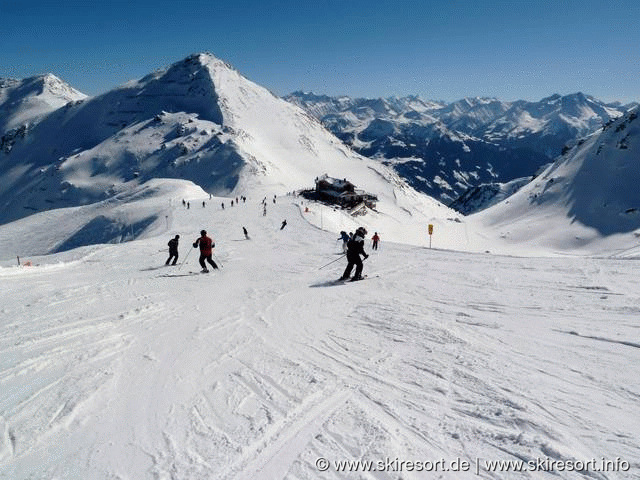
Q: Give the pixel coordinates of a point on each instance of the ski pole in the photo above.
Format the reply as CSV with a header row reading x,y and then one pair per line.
x,y
218,260
185,259
332,261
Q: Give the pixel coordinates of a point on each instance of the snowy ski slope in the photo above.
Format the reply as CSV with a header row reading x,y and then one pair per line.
x,y
113,366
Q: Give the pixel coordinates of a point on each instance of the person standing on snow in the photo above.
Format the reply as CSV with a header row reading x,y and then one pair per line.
x,y
284,224
206,244
173,250
375,239
344,236
246,234
355,248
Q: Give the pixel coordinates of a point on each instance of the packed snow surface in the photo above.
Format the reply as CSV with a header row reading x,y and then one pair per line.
x,y
113,366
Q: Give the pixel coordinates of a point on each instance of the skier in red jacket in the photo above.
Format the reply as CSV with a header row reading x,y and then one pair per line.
x,y
206,244
376,239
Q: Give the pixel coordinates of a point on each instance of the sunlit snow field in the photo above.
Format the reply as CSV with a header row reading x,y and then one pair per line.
x,y
113,366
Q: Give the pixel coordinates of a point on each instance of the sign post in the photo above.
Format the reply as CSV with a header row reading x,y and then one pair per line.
x,y
430,233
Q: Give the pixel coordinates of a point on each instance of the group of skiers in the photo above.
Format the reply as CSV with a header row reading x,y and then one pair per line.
x,y
353,247
352,244
345,237
206,245
244,200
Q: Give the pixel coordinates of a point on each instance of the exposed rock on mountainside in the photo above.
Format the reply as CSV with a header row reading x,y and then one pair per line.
x,y
444,149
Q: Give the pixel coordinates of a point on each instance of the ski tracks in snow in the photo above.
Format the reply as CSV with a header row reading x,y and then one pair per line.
x,y
418,373
250,373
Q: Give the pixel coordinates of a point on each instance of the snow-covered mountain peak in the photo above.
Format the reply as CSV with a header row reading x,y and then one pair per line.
x,y
26,101
590,193
198,120
551,99
59,88
46,84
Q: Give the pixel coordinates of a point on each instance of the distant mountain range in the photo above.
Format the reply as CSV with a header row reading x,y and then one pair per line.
x,y
589,194
200,126
446,149
198,122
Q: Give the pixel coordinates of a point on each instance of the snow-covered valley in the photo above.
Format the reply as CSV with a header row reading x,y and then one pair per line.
x,y
113,366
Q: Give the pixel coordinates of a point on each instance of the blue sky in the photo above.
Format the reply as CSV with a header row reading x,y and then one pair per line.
x,y
438,49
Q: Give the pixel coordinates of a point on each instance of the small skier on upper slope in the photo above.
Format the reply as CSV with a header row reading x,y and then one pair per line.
x,y
375,239
355,248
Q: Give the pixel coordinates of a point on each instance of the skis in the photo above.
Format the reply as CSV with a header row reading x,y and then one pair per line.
x,y
185,274
332,283
364,277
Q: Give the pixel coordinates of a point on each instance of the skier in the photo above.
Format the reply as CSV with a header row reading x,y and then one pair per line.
x,y
188,205
355,248
203,204
206,244
223,205
284,224
375,239
246,234
173,250
344,236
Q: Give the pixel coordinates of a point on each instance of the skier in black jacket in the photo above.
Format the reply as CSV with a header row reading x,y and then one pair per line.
x,y
355,248
173,250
